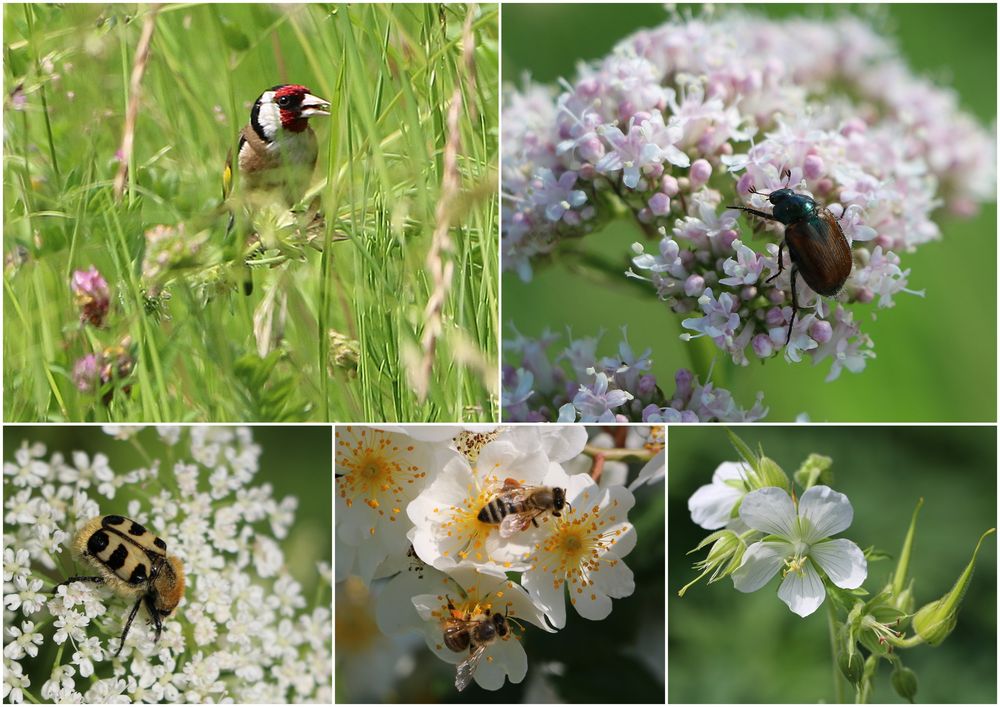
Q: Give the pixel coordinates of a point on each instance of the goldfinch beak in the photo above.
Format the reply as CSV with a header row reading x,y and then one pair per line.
x,y
313,105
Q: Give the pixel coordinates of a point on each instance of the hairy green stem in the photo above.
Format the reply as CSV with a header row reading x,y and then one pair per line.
x,y
838,684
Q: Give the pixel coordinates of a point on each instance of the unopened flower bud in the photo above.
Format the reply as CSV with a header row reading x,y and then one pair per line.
x,y
936,620
771,474
904,682
852,666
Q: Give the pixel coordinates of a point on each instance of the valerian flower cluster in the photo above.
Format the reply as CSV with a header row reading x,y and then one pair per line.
x,y
578,386
762,527
409,508
681,121
243,632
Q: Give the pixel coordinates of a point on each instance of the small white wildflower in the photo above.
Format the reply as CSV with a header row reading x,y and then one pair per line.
x,y
87,652
287,596
26,596
187,478
107,691
171,434
21,508
15,564
27,470
25,641
14,681
282,515
122,432
59,684
267,556
70,624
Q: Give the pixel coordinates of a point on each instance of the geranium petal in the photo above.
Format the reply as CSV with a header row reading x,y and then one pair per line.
x,y
770,510
823,512
711,505
803,591
843,562
761,561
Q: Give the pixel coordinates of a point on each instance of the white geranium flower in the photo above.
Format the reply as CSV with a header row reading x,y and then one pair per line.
x,y
712,505
800,541
448,533
474,594
378,474
582,550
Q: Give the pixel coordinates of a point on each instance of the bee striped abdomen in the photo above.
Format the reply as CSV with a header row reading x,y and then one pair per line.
x,y
498,509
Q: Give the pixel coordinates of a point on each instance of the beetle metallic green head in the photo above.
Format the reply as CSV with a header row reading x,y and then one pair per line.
x,y
790,207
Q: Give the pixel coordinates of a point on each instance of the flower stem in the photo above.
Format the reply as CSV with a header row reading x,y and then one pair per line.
x,y
838,685
619,454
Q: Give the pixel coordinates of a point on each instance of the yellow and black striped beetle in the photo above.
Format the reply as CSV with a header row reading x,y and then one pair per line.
x,y
133,562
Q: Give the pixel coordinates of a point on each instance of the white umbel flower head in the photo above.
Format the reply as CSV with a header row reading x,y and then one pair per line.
x,y
800,542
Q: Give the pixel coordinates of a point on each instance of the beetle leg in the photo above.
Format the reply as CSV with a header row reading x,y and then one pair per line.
x,y
755,212
128,625
781,268
795,306
155,615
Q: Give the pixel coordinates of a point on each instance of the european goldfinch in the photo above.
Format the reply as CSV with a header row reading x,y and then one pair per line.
x,y
277,150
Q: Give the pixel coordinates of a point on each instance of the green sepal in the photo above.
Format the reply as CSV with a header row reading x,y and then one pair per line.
x,y
874,555
934,621
902,567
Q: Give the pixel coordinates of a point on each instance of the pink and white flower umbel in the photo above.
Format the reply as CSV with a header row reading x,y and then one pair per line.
x,y
582,551
799,545
472,594
378,473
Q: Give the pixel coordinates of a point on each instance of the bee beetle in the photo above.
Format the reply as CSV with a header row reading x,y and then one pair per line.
x,y
133,563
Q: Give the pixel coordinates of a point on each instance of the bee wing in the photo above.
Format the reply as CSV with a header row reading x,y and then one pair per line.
x,y
467,668
515,523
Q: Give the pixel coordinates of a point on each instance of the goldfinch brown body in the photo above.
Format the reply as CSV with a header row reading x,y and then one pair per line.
x,y
277,149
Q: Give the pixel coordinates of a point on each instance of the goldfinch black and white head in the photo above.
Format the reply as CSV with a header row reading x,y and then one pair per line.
x,y
277,149
285,108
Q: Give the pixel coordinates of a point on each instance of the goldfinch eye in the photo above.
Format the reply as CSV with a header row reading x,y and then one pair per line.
x,y
283,101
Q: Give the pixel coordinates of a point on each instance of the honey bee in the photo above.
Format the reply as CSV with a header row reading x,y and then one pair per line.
x,y
476,633
515,506
133,563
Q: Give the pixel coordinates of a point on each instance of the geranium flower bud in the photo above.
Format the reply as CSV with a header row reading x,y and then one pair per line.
x,y
904,682
936,620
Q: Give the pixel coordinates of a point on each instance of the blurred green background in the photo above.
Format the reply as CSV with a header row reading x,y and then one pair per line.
x,y
725,646
296,460
936,355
